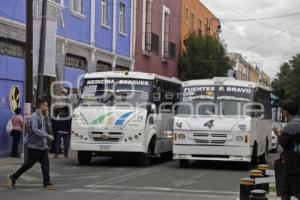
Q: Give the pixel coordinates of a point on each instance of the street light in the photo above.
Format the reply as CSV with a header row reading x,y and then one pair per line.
x,y
219,28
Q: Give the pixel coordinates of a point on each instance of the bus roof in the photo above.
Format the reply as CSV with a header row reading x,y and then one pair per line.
x,y
226,81
130,74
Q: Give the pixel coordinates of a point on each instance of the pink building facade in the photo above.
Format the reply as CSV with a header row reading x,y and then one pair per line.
x,y
158,36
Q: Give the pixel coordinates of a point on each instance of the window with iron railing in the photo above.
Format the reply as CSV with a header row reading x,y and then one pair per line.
x,y
172,51
75,61
153,46
12,48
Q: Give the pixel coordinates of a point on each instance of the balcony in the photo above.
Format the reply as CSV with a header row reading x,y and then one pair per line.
x,y
169,51
151,44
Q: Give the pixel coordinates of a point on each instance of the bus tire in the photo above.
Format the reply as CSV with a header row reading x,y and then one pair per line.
x,y
183,163
263,158
144,158
84,157
167,156
254,157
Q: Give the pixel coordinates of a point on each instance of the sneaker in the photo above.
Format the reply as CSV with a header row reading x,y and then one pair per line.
x,y
49,186
66,156
56,156
11,182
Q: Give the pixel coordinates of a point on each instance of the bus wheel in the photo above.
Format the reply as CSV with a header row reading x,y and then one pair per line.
x,y
167,156
254,158
144,158
183,163
263,158
84,158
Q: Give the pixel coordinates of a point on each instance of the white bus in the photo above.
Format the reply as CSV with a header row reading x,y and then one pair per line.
x,y
123,112
222,119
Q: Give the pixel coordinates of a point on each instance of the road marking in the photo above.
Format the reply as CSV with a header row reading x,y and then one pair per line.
x,y
193,181
203,194
128,176
164,189
29,179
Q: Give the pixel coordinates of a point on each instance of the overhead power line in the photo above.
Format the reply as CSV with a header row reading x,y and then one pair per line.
x,y
261,19
273,36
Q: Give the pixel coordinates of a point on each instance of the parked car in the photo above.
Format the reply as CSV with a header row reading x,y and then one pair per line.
x,y
274,145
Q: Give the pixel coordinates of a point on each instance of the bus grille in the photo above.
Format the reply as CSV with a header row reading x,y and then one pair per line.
x,y
107,137
210,138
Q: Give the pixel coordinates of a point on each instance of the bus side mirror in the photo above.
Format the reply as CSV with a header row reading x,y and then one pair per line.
x,y
151,108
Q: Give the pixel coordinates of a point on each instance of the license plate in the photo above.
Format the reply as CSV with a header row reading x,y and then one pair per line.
x,y
104,148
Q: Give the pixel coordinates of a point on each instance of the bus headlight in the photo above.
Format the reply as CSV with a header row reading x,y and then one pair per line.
x,y
239,138
181,136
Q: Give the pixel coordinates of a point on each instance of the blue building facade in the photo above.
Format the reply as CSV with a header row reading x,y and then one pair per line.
x,y
92,35
12,64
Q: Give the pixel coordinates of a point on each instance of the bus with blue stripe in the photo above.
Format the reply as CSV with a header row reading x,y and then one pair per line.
x,y
124,114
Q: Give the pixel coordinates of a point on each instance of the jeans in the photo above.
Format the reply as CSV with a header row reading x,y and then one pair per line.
x,y
66,141
35,155
16,135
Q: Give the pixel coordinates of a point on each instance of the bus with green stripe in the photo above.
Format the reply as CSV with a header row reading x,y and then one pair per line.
x,y
124,114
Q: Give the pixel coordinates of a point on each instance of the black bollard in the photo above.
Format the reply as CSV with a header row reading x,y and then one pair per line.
x,y
246,186
264,168
254,174
258,195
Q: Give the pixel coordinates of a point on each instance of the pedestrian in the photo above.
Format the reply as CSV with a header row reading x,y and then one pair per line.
x,y
16,133
289,139
37,148
63,130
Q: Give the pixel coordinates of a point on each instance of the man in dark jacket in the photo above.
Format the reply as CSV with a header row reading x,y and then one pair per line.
x,y
289,139
37,147
62,128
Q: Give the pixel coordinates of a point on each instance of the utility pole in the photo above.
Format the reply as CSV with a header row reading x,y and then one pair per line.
x,y
29,48
39,93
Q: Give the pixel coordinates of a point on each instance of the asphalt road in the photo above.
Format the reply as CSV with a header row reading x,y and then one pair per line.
x,y
108,179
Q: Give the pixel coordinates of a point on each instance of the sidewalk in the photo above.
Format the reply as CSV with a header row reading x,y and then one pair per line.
x,y
10,161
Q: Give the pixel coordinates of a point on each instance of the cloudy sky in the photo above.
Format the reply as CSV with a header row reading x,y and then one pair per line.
x,y
266,43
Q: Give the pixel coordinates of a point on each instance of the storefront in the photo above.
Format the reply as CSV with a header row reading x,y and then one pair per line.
x,y
12,75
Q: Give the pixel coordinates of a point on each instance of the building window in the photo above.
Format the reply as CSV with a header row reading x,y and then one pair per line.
x,y
148,25
104,12
103,66
122,20
192,22
77,6
200,28
12,48
186,14
122,68
166,32
75,62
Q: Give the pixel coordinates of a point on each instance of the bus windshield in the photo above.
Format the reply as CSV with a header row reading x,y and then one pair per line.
x,y
116,92
215,100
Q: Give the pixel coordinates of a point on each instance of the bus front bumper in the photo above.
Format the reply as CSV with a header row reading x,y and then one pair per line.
x,y
92,147
215,153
